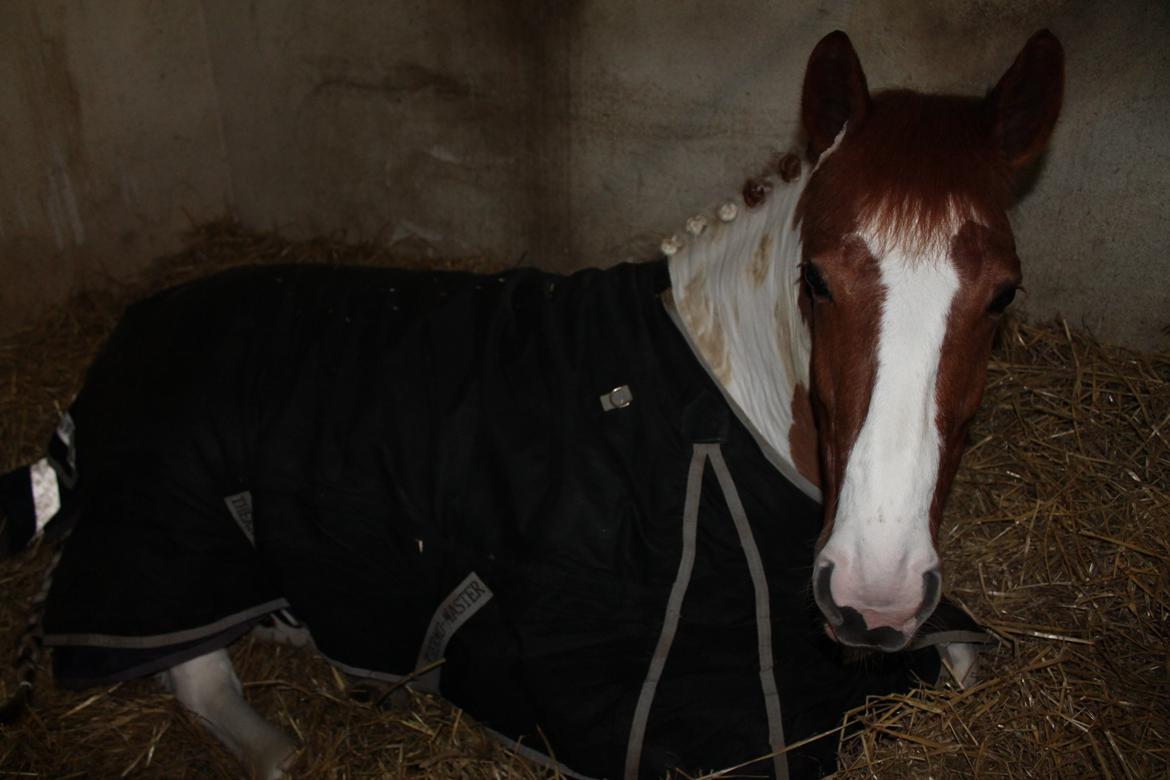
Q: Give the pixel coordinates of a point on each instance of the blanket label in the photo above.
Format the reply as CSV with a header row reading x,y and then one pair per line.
x,y
468,598
46,492
240,507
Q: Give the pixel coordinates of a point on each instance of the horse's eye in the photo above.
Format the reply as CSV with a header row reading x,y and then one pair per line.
x,y
815,282
1001,300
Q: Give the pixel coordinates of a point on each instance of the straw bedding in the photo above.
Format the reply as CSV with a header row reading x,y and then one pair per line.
x,y
1057,537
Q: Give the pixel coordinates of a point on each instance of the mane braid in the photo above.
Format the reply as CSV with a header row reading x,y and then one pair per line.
x,y
735,281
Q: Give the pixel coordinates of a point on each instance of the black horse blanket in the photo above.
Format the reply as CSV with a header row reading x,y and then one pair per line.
x,y
524,490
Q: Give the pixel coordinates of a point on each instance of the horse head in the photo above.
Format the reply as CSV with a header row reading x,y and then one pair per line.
x,y
908,263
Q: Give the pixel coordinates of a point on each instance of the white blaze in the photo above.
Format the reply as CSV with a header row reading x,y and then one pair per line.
x,y
881,542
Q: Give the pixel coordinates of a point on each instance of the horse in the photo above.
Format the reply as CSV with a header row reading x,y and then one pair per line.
x,y
843,309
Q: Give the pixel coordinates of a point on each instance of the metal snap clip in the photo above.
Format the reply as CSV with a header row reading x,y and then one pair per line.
x,y
618,398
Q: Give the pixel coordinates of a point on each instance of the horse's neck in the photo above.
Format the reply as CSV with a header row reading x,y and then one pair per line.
x,y
735,287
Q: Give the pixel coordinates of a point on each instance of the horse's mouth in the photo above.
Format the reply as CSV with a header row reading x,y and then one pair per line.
x,y
884,639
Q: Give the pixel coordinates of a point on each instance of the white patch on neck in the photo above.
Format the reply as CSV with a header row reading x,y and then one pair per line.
x,y
735,287
745,325
882,528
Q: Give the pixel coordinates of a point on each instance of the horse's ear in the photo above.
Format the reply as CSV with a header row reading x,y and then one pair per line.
x,y
1026,101
834,92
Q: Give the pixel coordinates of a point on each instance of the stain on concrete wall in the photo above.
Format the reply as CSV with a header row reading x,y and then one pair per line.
x,y
110,144
556,134
425,129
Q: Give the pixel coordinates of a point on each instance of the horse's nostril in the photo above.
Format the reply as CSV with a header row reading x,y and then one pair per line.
x,y
931,593
824,596
878,628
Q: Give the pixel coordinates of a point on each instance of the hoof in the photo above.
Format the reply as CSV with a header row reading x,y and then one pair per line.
x,y
961,662
277,759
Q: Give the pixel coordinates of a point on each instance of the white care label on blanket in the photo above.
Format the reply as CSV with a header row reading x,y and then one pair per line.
x,y
46,492
240,507
468,598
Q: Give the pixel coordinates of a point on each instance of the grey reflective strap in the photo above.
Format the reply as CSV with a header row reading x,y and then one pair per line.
x,y
239,506
673,609
763,612
468,598
172,638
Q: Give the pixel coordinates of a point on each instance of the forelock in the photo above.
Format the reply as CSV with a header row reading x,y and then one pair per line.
x,y
908,176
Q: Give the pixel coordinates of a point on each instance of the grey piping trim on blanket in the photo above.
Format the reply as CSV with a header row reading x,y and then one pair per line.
x,y
162,640
357,671
775,458
532,754
514,745
469,597
763,613
460,606
161,663
673,609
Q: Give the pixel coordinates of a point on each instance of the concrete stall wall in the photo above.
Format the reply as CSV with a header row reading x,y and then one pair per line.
x,y
554,134
110,143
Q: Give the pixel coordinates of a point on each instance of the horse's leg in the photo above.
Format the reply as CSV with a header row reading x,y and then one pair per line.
x,y
208,686
961,659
